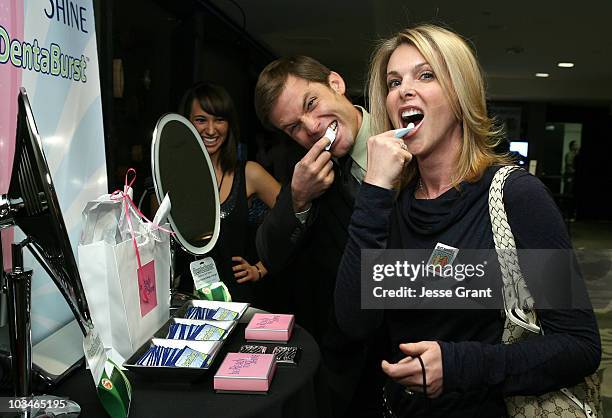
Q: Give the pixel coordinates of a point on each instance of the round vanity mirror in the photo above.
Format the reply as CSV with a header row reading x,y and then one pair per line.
x,y
183,170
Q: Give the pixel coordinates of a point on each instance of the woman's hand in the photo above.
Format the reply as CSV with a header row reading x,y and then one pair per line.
x,y
245,272
387,156
408,371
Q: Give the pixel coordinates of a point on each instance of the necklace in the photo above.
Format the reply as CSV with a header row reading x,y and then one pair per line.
x,y
422,189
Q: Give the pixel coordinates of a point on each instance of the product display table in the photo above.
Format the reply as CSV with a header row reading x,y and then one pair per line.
x,y
292,393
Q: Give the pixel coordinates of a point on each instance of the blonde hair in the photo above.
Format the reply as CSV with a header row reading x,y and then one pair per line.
x,y
460,77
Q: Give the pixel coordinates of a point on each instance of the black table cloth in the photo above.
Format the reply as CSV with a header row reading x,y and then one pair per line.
x,y
291,395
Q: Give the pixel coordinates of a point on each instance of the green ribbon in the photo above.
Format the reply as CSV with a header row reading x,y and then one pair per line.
x,y
215,291
115,391
113,387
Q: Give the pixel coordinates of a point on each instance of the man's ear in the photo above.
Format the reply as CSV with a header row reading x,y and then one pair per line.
x,y
336,83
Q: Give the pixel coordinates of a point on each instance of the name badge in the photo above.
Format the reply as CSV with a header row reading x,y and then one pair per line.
x,y
443,255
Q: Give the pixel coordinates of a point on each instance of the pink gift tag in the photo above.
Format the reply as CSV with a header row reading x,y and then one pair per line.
x,y
146,288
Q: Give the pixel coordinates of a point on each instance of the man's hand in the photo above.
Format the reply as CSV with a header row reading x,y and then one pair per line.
x,y
312,175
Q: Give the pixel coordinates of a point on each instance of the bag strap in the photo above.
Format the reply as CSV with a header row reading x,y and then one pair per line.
x,y
518,302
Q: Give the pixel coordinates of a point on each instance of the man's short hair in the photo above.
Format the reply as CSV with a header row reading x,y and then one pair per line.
x,y
272,80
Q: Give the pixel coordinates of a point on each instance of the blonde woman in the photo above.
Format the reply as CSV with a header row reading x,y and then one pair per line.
x,y
427,78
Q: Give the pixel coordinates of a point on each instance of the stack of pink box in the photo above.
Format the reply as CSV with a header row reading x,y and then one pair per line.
x,y
243,372
270,327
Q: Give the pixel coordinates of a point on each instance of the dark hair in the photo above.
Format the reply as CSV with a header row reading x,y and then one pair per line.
x,y
215,100
272,80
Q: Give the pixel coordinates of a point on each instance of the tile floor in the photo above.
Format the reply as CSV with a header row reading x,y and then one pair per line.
x,y
593,244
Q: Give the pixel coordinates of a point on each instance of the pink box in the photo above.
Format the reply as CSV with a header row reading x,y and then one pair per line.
x,y
269,327
243,372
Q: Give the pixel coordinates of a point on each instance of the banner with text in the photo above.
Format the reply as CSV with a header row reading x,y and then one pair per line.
x,y
49,47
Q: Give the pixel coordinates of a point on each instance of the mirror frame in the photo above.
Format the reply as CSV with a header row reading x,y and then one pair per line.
x,y
160,192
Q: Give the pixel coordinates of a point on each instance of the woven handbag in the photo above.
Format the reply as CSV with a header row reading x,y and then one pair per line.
x,y
521,323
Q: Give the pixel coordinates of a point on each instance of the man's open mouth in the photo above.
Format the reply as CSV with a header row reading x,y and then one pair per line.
x,y
330,134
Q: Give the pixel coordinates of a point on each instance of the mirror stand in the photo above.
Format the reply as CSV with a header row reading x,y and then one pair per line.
x,y
177,297
18,287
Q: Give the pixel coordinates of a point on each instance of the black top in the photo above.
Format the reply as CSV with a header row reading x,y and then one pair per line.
x,y
233,237
478,369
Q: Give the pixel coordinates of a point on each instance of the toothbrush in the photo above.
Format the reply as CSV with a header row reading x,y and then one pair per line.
x,y
400,133
330,134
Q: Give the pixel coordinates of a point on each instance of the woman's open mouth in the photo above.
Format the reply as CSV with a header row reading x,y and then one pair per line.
x,y
411,118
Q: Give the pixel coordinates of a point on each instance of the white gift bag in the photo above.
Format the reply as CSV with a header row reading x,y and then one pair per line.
x,y
125,270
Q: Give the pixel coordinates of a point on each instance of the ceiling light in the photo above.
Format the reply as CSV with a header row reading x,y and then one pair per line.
x,y
543,75
565,64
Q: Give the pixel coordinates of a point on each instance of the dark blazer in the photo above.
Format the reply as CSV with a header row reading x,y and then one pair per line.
x,y
310,253
308,256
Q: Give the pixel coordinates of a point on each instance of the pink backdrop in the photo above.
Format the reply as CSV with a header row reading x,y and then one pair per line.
x,y
11,15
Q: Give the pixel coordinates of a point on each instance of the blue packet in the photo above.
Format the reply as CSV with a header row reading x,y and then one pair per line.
x,y
176,353
146,357
166,354
157,356
223,314
195,332
206,332
150,357
195,312
192,358
178,331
